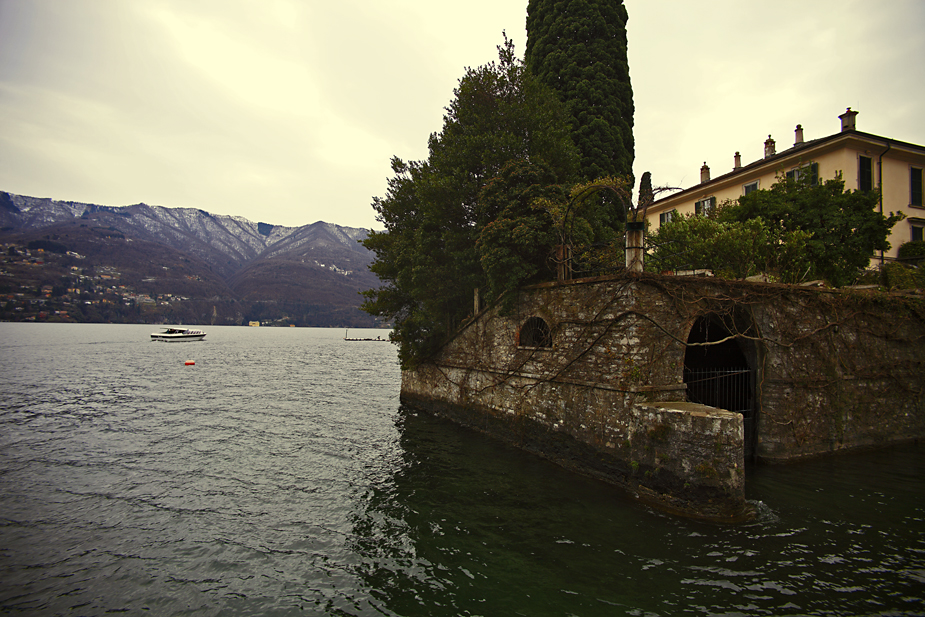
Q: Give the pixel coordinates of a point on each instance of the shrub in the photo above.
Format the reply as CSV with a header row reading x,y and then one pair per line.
x,y
912,251
900,276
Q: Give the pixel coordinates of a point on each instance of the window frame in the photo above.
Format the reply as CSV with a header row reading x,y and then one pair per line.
x,y
705,206
867,174
529,329
913,228
795,173
756,186
667,217
915,193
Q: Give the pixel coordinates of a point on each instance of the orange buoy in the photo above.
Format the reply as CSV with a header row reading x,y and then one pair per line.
x,y
190,363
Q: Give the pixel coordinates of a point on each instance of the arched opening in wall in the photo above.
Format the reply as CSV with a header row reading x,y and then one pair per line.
x,y
720,370
535,333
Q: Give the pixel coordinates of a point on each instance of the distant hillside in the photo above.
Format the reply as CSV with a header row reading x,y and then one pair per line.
x,y
226,269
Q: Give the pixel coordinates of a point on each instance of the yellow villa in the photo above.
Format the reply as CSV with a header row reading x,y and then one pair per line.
x,y
866,162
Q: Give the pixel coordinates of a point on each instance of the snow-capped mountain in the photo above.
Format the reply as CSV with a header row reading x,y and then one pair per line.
x,y
321,264
228,243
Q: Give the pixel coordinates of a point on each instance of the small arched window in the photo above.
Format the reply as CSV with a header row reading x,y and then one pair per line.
x,y
535,333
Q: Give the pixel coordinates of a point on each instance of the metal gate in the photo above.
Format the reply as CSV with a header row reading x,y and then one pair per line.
x,y
731,389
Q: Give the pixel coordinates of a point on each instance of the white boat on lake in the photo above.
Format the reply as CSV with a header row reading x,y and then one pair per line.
x,y
178,334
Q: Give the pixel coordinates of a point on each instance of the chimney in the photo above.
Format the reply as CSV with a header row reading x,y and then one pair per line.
x,y
769,149
847,120
704,173
798,135
738,162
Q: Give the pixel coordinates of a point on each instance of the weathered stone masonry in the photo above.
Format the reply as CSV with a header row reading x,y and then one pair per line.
x,y
602,390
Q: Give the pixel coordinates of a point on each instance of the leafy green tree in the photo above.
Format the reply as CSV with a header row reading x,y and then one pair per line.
x,y
435,248
517,247
731,249
844,227
579,49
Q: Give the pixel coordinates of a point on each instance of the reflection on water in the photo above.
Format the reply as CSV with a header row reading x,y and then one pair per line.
x,y
279,476
491,527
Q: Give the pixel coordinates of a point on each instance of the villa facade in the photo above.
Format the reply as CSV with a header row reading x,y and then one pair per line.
x,y
866,162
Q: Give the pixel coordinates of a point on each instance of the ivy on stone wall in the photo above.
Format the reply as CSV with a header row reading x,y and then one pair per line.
x,y
816,352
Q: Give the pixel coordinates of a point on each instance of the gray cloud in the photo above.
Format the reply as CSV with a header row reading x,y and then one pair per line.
x,y
288,111
713,78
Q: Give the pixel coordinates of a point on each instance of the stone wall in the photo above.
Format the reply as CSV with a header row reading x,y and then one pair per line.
x,y
839,371
605,394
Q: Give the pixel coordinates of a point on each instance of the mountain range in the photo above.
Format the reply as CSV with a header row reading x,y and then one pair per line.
x,y
223,269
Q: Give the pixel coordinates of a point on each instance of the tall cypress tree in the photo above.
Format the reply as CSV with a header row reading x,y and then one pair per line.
x,y
578,48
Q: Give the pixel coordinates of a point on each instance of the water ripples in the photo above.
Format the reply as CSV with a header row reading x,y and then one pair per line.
x,y
280,476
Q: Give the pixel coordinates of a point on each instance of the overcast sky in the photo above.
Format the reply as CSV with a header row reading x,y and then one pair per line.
x,y
288,111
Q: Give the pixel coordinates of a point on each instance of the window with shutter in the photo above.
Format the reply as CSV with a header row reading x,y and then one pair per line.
x,y
812,169
705,206
665,217
865,173
915,185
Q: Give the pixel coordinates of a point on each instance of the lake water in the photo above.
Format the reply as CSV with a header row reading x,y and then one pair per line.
x,y
279,476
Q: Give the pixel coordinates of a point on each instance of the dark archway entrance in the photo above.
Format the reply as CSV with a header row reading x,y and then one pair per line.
x,y
719,370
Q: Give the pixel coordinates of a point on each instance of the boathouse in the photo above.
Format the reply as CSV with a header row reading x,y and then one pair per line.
x,y
669,386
